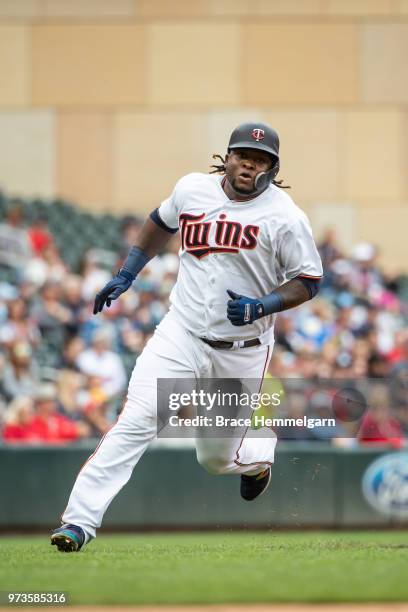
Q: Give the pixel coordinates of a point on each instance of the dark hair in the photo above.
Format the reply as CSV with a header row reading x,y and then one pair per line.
x,y
220,169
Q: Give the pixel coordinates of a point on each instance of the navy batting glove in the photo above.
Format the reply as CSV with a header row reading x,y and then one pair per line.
x,y
112,290
242,310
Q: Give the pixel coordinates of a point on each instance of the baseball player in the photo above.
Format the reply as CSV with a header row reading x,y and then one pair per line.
x,y
247,252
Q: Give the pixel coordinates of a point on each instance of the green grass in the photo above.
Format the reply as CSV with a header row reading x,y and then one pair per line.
x,y
214,568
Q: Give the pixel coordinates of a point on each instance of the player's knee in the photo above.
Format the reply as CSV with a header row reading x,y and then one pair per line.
x,y
212,464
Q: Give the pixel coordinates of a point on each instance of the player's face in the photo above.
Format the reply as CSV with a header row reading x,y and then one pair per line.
x,y
242,166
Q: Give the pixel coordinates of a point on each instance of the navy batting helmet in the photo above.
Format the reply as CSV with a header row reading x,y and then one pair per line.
x,y
262,137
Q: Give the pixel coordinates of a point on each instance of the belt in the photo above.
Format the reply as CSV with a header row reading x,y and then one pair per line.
x,y
225,344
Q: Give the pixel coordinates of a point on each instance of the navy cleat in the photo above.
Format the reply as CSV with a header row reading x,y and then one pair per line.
x,y
253,486
68,538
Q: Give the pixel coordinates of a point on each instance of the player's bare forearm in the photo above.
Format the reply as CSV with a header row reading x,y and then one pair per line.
x,y
152,238
293,293
242,310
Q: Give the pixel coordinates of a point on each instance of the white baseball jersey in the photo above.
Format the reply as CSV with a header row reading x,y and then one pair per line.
x,y
250,247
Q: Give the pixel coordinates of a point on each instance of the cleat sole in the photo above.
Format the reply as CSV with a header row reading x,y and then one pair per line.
x,y
63,543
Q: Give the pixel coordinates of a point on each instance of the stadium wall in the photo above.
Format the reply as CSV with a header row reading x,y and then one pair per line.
x,y
108,103
311,487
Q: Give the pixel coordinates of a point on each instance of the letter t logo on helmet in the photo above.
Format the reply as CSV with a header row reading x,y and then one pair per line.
x,y
258,134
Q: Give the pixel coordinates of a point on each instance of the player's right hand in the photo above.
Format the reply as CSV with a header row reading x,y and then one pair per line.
x,y
112,290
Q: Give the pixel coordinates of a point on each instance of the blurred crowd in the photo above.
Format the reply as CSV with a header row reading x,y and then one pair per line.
x,y
356,329
64,372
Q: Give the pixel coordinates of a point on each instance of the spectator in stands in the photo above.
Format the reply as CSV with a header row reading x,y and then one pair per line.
x,y
377,367
366,277
94,277
95,407
3,404
70,384
46,267
101,362
52,316
18,420
15,249
328,248
293,407
48,425
398,381
315,325
71,351
132,339
83,399
20,372
379,426
19,326
72,300
401,415
320,407
337,283
399,352
39,235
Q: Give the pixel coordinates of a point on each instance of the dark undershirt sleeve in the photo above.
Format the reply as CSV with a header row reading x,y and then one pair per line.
x,y
155,217
311,284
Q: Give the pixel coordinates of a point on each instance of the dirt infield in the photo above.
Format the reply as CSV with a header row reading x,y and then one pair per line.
x,y
315,607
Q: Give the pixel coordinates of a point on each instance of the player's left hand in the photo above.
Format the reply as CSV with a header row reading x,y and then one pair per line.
x,y
242,310
112,290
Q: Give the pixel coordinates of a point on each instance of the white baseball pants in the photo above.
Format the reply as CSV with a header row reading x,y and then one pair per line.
x,y
172,352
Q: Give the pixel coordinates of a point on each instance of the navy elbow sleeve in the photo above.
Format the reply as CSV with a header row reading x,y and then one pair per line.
x,y
312,284
155,217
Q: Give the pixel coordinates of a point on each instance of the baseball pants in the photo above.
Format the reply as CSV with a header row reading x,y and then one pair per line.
x,y
175,353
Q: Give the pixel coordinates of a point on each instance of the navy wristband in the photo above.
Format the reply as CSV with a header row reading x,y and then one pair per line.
x,y
125,274
271,303
134,262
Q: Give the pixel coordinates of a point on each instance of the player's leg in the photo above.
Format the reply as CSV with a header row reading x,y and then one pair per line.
x,y
243,451
109,468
